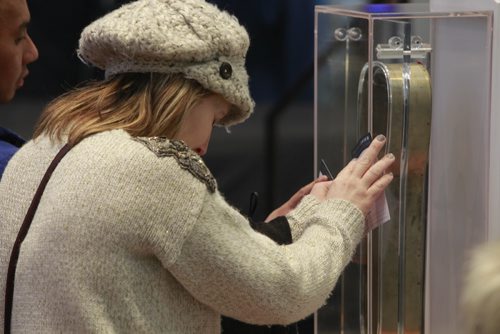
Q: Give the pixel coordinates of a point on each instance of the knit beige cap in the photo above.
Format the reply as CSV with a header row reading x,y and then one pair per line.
x,y
191,37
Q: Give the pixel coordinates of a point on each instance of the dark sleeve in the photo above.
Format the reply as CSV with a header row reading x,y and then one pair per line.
x,y
277,229
9,144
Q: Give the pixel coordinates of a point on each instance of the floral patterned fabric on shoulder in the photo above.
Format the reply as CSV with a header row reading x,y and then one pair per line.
x,y
185,157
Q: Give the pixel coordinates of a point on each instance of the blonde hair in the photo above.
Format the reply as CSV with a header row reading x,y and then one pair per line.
x,y
480,300
143,104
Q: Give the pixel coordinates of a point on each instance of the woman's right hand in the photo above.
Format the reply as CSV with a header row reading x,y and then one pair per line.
x,y
363,180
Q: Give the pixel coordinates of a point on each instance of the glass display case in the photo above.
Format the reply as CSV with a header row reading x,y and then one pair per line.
x,y
374,73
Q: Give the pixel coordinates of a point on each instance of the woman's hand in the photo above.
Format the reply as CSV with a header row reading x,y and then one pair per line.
x,y
363,180
297,197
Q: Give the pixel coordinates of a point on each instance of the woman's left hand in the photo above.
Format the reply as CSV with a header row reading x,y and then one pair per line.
x,y
294,200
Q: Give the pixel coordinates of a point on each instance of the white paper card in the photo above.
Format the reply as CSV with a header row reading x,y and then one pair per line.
x,y
379,214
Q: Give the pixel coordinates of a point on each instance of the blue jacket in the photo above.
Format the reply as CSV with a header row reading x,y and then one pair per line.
x,y
9,144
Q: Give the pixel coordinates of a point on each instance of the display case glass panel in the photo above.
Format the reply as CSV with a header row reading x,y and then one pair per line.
x,y
374,74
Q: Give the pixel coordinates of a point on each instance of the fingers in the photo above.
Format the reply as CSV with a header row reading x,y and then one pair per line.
x,y
369,156
363,180
321,178
377,170
297,197
348,169
379,185
320,190
305,190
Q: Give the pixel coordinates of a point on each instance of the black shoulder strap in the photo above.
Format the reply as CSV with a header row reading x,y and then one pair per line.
x,y
23,231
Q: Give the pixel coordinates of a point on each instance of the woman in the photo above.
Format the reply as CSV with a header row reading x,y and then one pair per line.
x,y
131,234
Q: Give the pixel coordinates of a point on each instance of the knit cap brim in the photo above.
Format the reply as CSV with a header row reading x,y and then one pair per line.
x,y
191,37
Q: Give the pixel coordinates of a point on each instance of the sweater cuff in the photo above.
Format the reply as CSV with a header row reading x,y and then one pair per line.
x,y
298,217
341,212
348,216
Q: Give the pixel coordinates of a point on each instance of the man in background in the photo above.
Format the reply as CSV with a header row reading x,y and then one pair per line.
x,y
17,50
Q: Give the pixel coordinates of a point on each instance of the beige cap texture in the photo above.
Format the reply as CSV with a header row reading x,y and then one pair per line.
x,y
191,37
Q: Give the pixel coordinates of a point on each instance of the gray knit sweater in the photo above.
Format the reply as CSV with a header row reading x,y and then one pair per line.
x,y
125,241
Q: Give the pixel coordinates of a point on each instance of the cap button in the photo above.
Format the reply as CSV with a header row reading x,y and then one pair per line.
x,y
226,70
